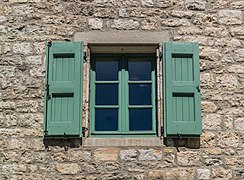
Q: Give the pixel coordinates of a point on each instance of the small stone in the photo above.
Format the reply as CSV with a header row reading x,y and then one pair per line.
x,y
239,124
210,54
150,155
171,174
227,139
128,155
215,161
203,174
228,122
236,68
22,48
106,154
220,172
7,72
208,107
213,151
175,22
22,9
208,139
196,4
18,1
95,23
79,155
68,168
39,47
37,71
2,19
230,17
207,80
237,31
234,161
122,12
188,158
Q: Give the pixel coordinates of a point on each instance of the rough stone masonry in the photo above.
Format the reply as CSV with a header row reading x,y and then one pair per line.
x,y
25,26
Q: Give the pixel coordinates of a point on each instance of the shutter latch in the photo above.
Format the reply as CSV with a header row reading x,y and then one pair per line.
x,y
198,88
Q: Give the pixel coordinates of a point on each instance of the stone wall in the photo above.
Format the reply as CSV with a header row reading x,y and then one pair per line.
x,y
25,26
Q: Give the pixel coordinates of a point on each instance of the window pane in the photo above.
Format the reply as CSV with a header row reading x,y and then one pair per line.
x,y
140,119
106,94
139,70
140,94
106,70
106,119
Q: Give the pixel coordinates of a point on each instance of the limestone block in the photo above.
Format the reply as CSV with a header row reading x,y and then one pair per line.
x,y
128,155
213,161
38,71
182,14
106,154
123,12
18,1
236,68
149,24
227,139
22,48
220,172
238,4
239,31
227,82
210,53
95,23
228,122
212,121
23,9
68,168
150,155
213,151
203,174
238,173
79,155
230,17
7,72
208,106
125,24
35,60
208,139
239,124
239,55
175,22
147,3
207,80
188,158
196,4
39,47
234,161
183,174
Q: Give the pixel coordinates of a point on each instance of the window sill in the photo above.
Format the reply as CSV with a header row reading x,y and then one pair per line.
x,y
123,142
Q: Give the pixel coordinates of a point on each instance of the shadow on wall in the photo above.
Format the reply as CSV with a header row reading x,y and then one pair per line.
x,y
65,143
193,143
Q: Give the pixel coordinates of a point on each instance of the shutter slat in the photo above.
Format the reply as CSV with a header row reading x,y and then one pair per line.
x,y
63,99
182,115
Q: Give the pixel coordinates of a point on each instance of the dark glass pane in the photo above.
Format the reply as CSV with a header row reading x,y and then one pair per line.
x,y
106,70
106,94
106,119
140,94
140,119
139,70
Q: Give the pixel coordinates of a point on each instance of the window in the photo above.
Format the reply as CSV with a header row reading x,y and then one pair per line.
x,y
122,91
123,94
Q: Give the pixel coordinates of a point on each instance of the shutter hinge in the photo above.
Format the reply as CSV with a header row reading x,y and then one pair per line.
x,y
85,59
49,44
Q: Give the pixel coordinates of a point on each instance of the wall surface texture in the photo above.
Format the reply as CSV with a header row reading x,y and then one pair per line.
x,y
25,26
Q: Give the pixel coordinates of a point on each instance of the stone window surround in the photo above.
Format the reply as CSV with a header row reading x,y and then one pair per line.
x,y
122,42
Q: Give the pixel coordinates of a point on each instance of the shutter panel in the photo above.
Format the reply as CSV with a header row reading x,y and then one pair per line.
x,y
182,100
63,95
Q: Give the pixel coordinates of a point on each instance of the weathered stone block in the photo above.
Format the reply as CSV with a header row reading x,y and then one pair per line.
x,y
239,124
128,155
22,48
68,168
212,121
95,23
106,154
230,17
196,4
188,158
208,139
79,155
147,3
175,22
227,139
220,172
207,80
227,82
150,155
208,107
213,161
36,60
228,122
183,174
125,24
234,161
149,24
203,174
210,53
23,9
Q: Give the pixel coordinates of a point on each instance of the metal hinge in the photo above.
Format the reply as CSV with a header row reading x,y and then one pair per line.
x,y
49,44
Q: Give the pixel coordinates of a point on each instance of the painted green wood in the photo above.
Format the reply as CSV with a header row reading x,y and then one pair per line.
x,y
123,81
182,111
63,99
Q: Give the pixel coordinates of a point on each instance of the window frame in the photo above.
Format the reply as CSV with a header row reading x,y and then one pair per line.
x,y
123,103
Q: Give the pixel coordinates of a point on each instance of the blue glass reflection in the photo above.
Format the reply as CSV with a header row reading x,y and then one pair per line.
x,y
140,94
106,119
106,70
139,70
140,119
106,94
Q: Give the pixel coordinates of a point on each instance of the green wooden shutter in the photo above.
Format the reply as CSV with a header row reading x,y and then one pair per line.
x,y
182,102
63,94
